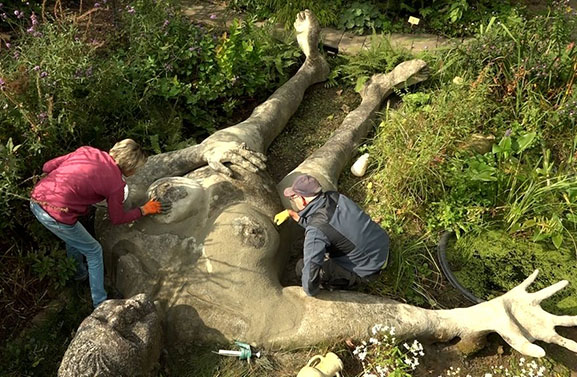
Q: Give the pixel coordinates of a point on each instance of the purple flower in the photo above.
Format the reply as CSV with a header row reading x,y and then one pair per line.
x,y
165,24
96,5
4,16
42,117
1,5
508,133
130,9
16,13
8,44
213,16
192,49
2,83
43,74
36,68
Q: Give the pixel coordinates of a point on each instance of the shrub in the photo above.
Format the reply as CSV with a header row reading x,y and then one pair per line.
x,y
157,78
285,11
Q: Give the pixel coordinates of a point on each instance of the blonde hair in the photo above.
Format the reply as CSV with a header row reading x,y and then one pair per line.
x,y
128,155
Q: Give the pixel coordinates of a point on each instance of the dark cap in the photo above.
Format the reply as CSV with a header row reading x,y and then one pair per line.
x,y
304,185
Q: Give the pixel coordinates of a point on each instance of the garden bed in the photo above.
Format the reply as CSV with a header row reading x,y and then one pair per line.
x,y
490,263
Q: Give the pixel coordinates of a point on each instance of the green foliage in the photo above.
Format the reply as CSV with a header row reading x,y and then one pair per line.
x,y
440,183
38,350
361,17
411,148
155,77
492,262
162,81
380,57
285,12
430,173
52,265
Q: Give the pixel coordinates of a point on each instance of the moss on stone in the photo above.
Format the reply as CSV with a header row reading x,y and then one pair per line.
x,y
493,262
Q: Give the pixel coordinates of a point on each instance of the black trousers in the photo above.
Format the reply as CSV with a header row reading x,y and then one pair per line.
x,y
333,276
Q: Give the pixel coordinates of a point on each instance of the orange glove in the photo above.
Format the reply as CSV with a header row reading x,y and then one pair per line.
x,y
152,207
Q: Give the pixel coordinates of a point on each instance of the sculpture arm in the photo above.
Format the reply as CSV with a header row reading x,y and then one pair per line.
x,y
516,316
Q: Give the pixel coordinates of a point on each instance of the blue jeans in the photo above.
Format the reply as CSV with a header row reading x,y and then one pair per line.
x,y
78,243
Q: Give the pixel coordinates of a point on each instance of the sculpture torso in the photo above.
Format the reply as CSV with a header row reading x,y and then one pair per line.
x,y
212,263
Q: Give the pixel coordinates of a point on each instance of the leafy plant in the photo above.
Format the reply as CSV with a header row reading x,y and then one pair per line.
x,y
361,16
285,11
52,266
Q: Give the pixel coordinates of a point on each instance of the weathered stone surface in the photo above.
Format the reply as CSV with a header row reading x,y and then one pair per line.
x,y
216,277
121,338
331,37
351,44
414,42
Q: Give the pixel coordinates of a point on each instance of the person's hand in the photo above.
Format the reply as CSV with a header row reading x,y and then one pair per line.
x,y
154,207
295,216
281,217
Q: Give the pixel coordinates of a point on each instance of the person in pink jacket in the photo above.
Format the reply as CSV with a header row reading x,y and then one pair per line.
x,y
71,185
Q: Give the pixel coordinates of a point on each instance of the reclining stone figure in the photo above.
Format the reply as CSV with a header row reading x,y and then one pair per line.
x,y
213,264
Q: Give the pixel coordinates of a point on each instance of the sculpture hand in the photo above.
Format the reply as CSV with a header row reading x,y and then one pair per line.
x,y
518,317
219,152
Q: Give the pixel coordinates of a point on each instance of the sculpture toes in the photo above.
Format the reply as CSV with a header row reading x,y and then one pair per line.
x,y
532,350
566,320
522,344
564,342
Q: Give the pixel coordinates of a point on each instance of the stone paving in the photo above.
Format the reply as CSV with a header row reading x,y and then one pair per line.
x,y
215,13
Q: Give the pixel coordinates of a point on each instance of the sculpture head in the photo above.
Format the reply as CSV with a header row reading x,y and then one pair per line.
x,y
117,339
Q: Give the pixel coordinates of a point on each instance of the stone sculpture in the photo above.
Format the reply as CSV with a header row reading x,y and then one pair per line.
x,y
213,264
121,338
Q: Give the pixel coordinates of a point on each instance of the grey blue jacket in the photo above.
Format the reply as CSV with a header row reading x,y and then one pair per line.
x,y
334,224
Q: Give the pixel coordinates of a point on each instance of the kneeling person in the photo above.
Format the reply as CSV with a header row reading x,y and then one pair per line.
x,y
343,247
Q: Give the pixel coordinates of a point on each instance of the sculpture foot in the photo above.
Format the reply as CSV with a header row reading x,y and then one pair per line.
x,y
308,33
